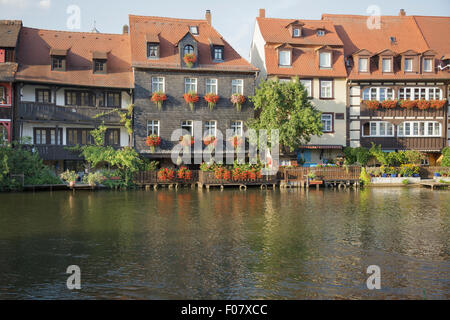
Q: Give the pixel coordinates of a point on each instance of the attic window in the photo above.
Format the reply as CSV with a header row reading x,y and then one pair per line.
x,y
152,50
320,33
188,49
58,63
218,53
393,40
297,33
99,66
193,30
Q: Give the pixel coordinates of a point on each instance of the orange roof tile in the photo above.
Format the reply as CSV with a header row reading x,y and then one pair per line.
x,y
171,31
435,30
34,59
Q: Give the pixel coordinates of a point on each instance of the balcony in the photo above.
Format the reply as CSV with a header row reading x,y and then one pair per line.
x,y
50,112
396,143
53,152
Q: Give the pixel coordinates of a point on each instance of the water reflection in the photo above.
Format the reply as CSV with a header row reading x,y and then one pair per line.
x,y
187,244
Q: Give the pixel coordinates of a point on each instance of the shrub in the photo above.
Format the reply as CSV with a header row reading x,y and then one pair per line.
x,y
446,157
94,179
69,176
365,177
405,181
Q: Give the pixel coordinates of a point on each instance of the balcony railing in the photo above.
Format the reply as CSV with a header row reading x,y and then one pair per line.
x,y
53,152
401,112
400,143
50,112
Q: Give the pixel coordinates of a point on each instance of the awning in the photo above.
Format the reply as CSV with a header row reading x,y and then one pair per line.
x,y
99,55
58,52
322,147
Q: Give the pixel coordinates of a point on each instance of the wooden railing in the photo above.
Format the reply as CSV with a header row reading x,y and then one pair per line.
x,y
325,174
151,177
208,178
402,112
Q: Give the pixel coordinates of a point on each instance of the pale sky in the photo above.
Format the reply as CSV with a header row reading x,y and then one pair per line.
x,y
234,19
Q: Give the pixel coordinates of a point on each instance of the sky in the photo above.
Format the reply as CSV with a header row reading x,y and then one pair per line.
x,y
234,19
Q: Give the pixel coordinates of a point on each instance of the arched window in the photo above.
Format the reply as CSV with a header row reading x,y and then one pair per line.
x,y
188,49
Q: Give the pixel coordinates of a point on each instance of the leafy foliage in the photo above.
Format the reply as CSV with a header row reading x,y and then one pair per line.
x,y
446,158
357,155
286,107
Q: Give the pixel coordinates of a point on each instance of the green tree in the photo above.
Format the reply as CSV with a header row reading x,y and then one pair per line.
x,y
286,107
446,158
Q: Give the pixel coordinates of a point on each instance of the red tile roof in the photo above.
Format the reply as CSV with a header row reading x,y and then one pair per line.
x,y
305,58
170,32
35,46
9,32
8,71
436,31
406,33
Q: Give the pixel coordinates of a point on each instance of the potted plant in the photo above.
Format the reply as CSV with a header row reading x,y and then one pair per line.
x,y
311,176
187,140
70,177
437,104
210,142
153,142
2,101
94,179
191,99
158,98
237,142
166,174
238,100
184,174
437,174
389,104
189,59
372,104
423,104
212,100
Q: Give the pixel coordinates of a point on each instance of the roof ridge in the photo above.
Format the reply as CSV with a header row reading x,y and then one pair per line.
x,y
76,32
166,18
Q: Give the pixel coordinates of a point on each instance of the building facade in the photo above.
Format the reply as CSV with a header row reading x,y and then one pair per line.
x,y
69,83
312,51
9,36
397,83
159,46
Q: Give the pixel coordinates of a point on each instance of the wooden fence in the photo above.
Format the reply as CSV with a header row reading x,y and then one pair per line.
x,y
323,174
151,177
208,178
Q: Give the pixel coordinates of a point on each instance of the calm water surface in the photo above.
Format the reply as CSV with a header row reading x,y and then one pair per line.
x,y
226,245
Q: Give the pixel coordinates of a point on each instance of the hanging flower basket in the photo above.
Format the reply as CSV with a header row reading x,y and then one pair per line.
x,y
238,100
166,174
158,98
187,141
153,142
184,174
212,100
437,104
237,142
210,142
389,104
372,104
191,99
423,104
189,59
408,104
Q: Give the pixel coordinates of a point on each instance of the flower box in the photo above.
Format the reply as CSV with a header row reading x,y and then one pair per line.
x,y
211,99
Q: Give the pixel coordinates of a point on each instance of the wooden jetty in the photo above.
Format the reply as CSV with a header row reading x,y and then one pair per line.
x,y
433,184
329,177
208,180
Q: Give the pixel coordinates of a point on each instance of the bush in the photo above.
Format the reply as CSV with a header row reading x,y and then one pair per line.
x,y
446,158
69,176
94,179
365,177
357,155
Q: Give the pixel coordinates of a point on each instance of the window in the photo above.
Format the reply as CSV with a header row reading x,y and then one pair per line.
x,y
188,49
238,128
237,86
428,65
325,59
432,93
379,94
188,126
3,135
320,33
158,84
210,128
284,58
80,98
3,95
308,86
386,65
57,63
408,65
419,129
211,86
327,122
99,66
378,129
326,89
112,137
193,30
190,85
284,80
79,137
153,128
113,100
363,64
152,50
218,54
40,136
297,33
43,96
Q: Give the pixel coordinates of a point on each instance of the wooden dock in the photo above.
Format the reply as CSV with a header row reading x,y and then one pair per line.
x,y
434,185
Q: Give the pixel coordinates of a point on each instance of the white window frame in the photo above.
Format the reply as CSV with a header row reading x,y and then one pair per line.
x,y
379,125
193,30
307,83
320,33
419,93
216,50
153,124
366,68
188,46
3,93
324,88
421,127
237,86
190,82
237,126
212,86
325,63
425,69
4,132
211,128
296,33
327,122
188,123
411,65
388,67
376,93
281,61
158,82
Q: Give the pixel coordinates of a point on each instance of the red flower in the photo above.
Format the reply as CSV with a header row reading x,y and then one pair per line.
x,y
153,141
372,104
437,104
184,174
191,98
166,174
210,140
212,99
423,104
189,59
158,98
389,104
408,104
237,141
187,141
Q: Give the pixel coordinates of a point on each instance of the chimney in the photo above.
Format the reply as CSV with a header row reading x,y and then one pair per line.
x,y
402,13
262,13
125,29
208,17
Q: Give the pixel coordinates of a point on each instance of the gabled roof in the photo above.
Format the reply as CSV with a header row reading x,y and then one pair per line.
x,y
435,30
363,52
171,31
7,71
9,33
385,52
34,59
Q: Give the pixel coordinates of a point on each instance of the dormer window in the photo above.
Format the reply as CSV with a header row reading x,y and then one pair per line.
x,y
387,64
58,59
325,60
193,30
428,65
218,53
297,33
284,58
320,32
99,66
363,64
188,49
153,50
58,63
408,65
